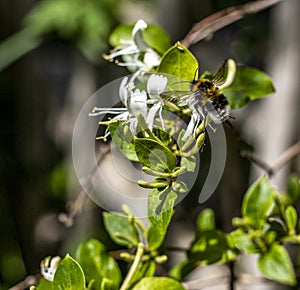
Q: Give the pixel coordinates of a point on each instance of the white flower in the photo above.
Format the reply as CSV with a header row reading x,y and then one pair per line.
x,y
155,86
135,102
49,266
132,50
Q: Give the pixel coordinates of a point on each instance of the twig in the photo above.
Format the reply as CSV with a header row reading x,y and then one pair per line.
x,y
223,18
75,207
29,281
283,159
258,161
286,156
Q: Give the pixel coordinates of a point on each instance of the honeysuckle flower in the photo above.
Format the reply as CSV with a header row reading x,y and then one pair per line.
x,y
155,86
196,118
49,266
136,53
135,102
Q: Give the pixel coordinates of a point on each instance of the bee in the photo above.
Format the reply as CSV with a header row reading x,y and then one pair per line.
x,y
205,94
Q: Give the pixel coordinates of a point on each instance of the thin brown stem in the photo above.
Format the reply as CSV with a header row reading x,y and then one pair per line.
x,y
283,159
222,18
258,161
176,249
75,207
29,281
286,156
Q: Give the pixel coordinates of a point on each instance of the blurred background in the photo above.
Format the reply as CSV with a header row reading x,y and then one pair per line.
x,y
51,62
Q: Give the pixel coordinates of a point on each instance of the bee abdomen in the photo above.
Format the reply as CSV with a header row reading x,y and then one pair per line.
x,y
220,108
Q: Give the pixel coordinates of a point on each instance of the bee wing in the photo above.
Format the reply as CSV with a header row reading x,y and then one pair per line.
x,y
180,98
221,75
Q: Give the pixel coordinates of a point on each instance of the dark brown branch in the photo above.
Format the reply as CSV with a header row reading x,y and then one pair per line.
x,y
29,281
284,158
258,161
75,207
222,18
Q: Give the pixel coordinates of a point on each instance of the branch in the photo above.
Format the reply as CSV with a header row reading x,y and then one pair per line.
x,y
29,281
283,159
75,207
223,18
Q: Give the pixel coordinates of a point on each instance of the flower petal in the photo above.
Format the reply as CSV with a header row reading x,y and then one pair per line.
x,y
156,85
137,35
151,58
138,103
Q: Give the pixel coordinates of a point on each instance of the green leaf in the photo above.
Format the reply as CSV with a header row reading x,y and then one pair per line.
x,y
179,61
122,231
277,226
45,284
180,270
243,241
157,38
154,155
291,218
293,190
189,163
69,275
249,84
276,264
206,220
107,284
258,201
155,238
160,208
211,247
97,264
120,35
146,269
125,145
158,283
154,37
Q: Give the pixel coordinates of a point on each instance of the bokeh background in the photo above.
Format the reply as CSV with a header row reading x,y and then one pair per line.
x,y
51,62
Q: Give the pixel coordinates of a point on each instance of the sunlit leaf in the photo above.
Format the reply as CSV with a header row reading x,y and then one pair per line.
x,y
44,284
276,264
249,84
179,61
153,35
213,246
158,283
291,217
121,230
206,220
243,241
155,238
107,284
97,264
125,145
154,155
160,208
69,275
258,201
